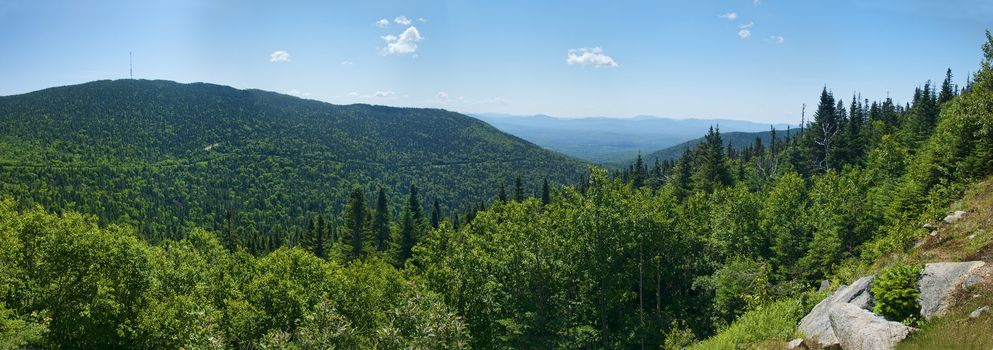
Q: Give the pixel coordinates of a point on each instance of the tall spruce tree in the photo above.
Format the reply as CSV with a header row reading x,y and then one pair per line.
x,y
381,222
356,222
820,137
318,242
947,89
410,227
435,214
518,189
710,171
546,195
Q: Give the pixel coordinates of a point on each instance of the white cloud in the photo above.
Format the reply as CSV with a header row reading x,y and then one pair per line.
x,y
730,16
590,57
778,39
383,23
745,31
422,20
386,93
442,95
298,93
279,56
402,20
405,43
353,94
346,63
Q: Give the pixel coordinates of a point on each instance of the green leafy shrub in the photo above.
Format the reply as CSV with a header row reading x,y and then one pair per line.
x,y
895,292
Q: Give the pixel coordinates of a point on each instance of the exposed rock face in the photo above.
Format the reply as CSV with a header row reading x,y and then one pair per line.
x,y
940,281
858,329
817,324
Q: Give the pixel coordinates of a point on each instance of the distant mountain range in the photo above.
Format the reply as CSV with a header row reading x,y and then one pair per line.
x,y
604,140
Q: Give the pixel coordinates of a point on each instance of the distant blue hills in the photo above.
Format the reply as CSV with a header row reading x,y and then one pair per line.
x,y
604,140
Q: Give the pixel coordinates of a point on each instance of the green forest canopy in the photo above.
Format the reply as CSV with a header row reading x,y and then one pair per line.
x,y
656,255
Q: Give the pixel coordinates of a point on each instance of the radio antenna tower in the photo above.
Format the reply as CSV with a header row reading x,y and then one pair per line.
x,y
130,65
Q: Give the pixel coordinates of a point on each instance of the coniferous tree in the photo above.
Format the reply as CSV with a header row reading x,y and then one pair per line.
x,y
502,196
821,136
546,195
947,89
711,169
638,173
356,221
410,226
518,189
319,234
381,221
435,214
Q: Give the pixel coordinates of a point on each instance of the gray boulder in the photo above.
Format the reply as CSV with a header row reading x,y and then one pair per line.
x,y
978,312
858,329
958,214
795,344
940,282
817,324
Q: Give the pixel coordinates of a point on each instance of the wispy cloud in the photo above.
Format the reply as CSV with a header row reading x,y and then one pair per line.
x,y
590,57
745,31
279,56
386,93
405,43
402,20
346,63
383,23
422,20
756,2
778,39
730,16
442,95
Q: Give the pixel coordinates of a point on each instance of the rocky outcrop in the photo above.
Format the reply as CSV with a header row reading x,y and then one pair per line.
x,y
940,281
817,324
858,329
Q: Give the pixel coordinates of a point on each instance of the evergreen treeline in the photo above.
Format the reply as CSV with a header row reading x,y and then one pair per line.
x,y
657,255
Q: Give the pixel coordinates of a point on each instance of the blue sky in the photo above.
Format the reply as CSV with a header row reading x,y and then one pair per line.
x,y
567,58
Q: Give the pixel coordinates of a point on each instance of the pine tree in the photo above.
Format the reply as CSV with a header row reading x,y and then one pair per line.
x,y
502,196
947,90
318,247
711,170
546,195
231,241
356,221
820,136
381,221
410,226
638,172
518,189
435,214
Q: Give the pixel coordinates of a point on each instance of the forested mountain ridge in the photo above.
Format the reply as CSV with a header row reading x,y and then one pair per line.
x,y
604,140
736,140
162,155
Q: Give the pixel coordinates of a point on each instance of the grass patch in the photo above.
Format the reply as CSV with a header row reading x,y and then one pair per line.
x,y
769,326
956,330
